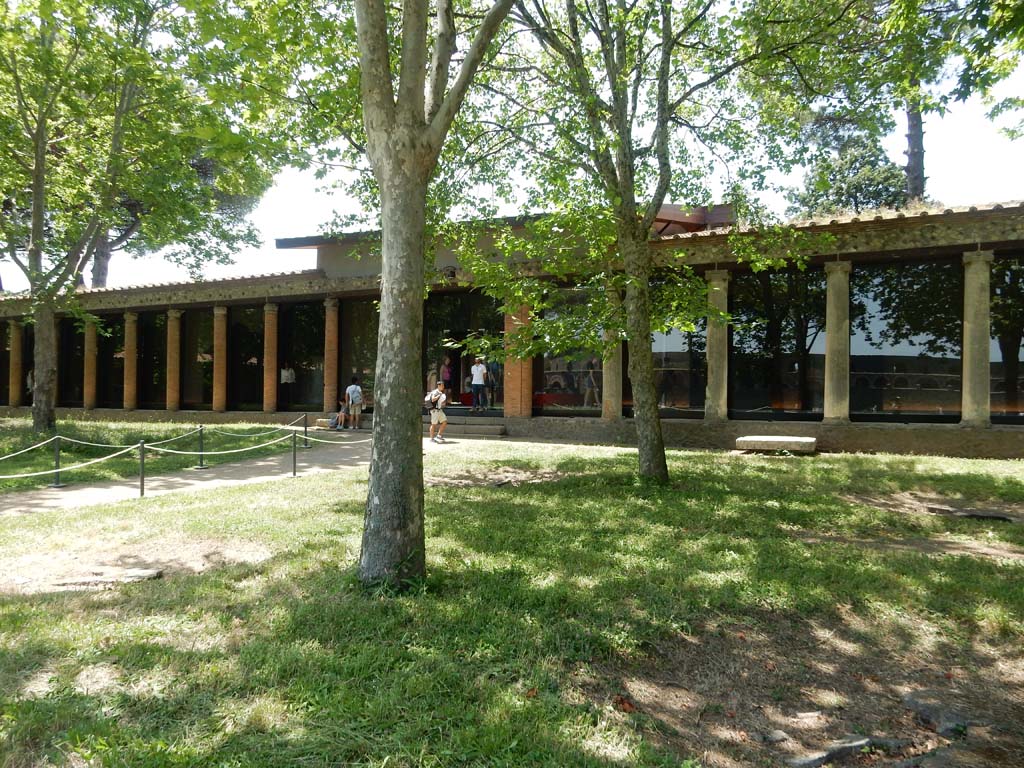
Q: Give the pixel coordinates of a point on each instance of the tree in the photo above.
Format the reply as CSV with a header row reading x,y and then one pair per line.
x,y
626,104
409,104
944,50
852,173
99,109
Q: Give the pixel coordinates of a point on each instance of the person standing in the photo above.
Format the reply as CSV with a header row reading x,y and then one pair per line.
x,y
354,403
446,373
435,401
287,384
479,384
493,382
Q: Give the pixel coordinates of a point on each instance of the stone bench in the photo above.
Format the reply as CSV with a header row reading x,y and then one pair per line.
x,y
777,443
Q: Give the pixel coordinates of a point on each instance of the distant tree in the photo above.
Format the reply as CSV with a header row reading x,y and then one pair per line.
x,y
100,107
856,175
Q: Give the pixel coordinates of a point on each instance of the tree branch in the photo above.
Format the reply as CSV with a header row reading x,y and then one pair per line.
x,y
440,63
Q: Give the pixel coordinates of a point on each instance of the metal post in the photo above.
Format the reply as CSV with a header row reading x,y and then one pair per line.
x,y
142,468
295,453
56,464
305,430
201,464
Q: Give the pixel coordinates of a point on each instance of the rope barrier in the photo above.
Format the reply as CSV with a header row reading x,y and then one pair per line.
x,y
215,431
76,441
337,442
93,445
172,439
69,469
220,453
30,448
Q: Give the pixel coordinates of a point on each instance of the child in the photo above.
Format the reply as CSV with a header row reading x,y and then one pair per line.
x,y
435,401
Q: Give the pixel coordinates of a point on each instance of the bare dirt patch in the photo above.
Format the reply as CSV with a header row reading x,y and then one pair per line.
x,y
497,477
937,545
921,503
760,695
98,564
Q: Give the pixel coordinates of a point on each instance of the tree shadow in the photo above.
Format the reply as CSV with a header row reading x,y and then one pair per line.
x,y
543,603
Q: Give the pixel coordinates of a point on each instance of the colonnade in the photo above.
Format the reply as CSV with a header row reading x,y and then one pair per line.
x,y
975,403
17,369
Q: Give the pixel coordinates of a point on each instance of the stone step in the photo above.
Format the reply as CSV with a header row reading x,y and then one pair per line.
x,y
493,430
467,427
777,443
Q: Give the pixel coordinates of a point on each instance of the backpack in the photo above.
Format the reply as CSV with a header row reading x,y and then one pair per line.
x,y
356,397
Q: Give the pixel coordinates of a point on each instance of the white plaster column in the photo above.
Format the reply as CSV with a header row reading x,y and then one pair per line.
x,y
837,342
975,387
716,405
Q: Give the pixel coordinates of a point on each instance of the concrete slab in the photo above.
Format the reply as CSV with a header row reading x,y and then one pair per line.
x,y
789,443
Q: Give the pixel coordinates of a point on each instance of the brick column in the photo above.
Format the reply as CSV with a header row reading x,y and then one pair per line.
x,y
716,406
611,383
220,359
173,359
269,358
975,390
518,375
131,361
89,367
330,355
16,373
837,342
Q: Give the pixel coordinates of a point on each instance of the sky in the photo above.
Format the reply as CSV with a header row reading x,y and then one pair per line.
x,y
967,161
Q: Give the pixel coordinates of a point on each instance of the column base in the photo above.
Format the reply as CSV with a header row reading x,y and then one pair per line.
x,y
836,421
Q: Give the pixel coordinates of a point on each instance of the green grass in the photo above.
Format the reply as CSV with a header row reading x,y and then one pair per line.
x,y
16,434
290,662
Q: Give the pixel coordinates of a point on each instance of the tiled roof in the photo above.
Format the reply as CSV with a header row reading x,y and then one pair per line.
x,y
858,218
181,284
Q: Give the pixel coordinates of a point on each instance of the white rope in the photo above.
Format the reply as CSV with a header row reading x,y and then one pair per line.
x,y
214,431
220,453
94,445
172,439
30,448
335,442
71,468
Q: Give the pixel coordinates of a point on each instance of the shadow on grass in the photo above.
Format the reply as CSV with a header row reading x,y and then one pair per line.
x,y
543,602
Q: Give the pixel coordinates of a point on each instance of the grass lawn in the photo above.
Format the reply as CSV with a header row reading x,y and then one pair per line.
x,y
16,434
572,616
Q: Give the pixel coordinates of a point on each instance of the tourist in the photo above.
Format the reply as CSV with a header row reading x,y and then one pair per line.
x,y
287,379
446,373
354,403
493,382
479,383
435,402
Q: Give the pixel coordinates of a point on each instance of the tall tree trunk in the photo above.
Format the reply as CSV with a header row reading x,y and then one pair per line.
x,y
393,547
101,262
650,444
915,152
44,367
